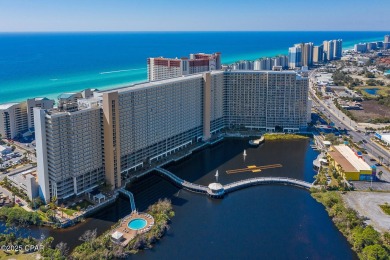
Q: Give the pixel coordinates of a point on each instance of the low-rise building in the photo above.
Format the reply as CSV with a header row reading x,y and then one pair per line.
x,y
348,164
5,150
27,182
384,137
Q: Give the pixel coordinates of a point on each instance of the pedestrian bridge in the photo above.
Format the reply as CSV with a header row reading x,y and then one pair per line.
x,y
232,186
131,197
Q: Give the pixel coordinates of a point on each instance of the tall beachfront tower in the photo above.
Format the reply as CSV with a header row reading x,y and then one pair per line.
x,y
337,49
13,119
165,68
328,50
294,57
119,131
70,151
307,54
318,53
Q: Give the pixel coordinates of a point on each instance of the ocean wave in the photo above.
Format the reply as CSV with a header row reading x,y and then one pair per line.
x,y
53,79
118,71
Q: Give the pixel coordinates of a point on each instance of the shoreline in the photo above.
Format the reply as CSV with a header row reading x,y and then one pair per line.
x,y
112,78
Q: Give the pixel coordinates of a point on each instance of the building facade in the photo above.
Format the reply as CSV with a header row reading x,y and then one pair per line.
x,y
44,103
142,124
318,54
69,149
294,57
164,68
328,50
337,49
348,164
13,120
360,47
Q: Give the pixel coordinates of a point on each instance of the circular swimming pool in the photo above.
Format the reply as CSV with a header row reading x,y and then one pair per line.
x,y
137,223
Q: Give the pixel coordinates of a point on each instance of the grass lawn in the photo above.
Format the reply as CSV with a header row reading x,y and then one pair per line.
x,y
42,216
84,204
386,208
20,256
68,212
271,137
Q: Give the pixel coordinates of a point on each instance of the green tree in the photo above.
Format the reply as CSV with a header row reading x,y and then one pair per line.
x,y
364,237
375,252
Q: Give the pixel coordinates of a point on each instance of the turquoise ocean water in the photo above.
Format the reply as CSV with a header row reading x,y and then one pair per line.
x,y
46,64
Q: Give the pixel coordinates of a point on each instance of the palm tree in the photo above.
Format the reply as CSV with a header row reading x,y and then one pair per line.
x,y
62,210
380,174
28,154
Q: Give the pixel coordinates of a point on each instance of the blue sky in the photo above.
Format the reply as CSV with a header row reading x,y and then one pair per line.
x,y
195,15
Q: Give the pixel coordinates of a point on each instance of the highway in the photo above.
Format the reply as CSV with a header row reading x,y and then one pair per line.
x,y
343,121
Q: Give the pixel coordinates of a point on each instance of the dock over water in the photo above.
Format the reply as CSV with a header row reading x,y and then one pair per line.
x,y
219,192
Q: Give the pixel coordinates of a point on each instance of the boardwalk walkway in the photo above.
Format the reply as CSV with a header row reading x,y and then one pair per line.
x,y
131,197
232,186
266,180
182,183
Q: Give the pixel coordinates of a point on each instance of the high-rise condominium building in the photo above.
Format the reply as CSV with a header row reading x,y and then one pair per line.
x,y
387,38
307,54
337,49
371,46
142,124
165,68
44,103
318,53
294,57
328,50
13,119
263,64
360,47
69,149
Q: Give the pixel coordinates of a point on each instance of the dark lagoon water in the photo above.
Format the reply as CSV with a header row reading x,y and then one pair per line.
x,y
262,222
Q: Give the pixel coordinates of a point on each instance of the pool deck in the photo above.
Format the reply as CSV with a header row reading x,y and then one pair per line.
x,y
129,234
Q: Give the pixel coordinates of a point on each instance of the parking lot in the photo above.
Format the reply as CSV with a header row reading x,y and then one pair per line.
x,y
367,205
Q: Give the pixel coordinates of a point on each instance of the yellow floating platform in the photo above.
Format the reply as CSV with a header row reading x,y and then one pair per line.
x,y
254,168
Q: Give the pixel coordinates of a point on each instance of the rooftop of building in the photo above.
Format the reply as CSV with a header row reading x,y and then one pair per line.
x,y
144,85
7,105
66,95
20,177
348,160
39,98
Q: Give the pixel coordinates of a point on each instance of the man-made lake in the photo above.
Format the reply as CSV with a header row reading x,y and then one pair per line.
x,y
261,222
371,91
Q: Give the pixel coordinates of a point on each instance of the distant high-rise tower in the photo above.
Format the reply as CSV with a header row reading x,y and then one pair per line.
x,y
318,53
360,47
165,68
387,38
294,57
337,49
307,54
328,50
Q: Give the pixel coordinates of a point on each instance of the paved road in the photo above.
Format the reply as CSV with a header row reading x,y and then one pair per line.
x,y
341,120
